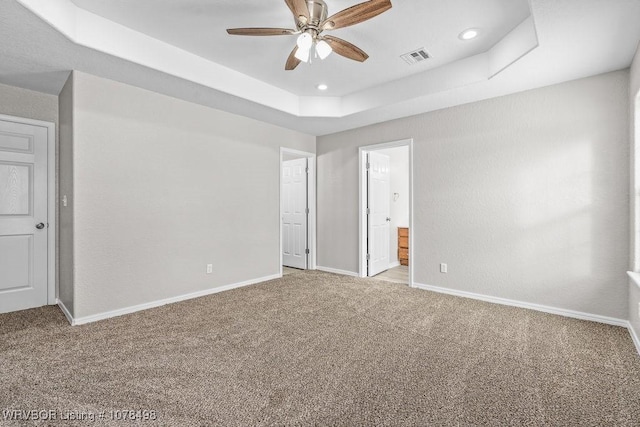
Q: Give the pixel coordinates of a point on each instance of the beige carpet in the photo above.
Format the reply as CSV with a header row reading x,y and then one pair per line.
x,y
320,349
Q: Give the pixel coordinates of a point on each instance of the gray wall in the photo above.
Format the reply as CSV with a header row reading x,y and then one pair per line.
x,y
289,156
525,197
65,188
25,103
634,300
634,101
163,187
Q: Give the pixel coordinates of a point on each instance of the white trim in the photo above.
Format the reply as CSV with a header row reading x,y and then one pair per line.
x,y
635,277
312,205
65,311
153,304
51,199
87,29
411,228
337,271
634,337
537,307
362,232
52,293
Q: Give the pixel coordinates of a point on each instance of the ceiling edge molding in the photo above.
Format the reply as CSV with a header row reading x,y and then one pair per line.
x,y
87,29
519,42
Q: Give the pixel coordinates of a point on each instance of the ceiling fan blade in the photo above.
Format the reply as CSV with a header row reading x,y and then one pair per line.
x,y
299,9
346,49
260,31
292,61
356,14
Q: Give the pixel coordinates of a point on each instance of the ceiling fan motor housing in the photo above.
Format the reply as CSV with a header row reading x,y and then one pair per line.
x,y
318,12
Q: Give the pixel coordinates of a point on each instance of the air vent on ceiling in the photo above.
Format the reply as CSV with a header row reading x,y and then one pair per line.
x,y
416,56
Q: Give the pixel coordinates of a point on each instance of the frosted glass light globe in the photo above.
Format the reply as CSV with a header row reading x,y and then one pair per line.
x,y
323,49
303,54
305,41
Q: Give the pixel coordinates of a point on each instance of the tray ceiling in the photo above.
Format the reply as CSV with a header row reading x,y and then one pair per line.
x,y
198,26
181,49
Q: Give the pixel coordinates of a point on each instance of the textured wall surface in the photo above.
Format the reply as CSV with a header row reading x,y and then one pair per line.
x,y
634,102
65,188
526,197
164,187
19,102
634,308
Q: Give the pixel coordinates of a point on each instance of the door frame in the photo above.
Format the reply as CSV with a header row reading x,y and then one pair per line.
x,y
362,197
51,199
311,201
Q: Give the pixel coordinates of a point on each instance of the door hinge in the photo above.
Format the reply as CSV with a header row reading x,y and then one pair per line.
x,y
307,170
306,251
368,165
368,257
306,210
368,211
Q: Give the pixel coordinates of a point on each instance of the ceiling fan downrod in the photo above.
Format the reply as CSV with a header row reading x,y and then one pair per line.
x,y
318,12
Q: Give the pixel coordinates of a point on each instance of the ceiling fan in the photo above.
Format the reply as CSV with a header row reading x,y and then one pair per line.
x,y
311,20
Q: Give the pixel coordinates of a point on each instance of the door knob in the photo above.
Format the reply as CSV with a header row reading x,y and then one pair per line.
x,y
40,226
388,219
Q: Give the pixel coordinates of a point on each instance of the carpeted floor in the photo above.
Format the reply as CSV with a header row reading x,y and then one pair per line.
x,y
320,349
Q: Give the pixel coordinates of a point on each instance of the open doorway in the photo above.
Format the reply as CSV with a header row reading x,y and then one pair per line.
x,y
386,206
297,211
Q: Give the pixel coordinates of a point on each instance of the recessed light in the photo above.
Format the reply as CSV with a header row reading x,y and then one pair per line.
x,y
322,86
468,34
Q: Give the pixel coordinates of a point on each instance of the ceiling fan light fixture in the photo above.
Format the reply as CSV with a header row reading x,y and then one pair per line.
x,y
311,19
305,41
323,49
303,54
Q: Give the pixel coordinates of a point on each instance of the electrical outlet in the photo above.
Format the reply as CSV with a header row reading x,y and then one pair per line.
x,y
209,268
443,268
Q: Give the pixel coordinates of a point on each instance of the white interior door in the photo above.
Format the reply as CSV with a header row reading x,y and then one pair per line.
x,y
23,216
294,213
378,204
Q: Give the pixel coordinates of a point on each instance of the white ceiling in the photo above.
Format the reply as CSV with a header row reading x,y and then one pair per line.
x,y
198,26
572,39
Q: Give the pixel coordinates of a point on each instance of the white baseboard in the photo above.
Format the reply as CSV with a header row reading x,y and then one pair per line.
x,y
336,271
158,303
464,294
394,264
65,311
537,307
